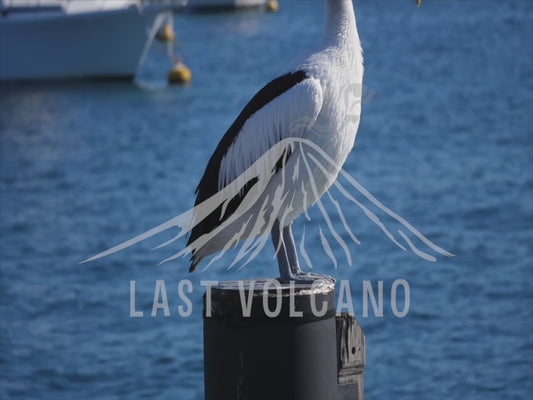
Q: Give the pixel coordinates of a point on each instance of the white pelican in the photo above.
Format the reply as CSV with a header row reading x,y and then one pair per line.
x,y
313,100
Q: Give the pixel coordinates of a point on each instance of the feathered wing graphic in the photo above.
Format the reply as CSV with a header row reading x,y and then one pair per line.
x,y
253,233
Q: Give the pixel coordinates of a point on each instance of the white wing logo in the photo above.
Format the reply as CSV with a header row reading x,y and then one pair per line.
x,y
312,163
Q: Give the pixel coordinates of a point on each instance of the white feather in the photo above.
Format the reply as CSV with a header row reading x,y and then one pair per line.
x,y
289,115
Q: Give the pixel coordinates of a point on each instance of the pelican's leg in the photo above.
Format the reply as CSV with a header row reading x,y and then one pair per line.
x,y
292,255
289,267
281,253
290,249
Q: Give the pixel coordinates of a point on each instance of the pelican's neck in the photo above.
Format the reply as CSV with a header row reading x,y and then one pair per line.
x,y
340,23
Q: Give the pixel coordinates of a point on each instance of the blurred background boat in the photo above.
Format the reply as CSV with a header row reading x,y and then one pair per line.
x,y
224,5
175,5
57,39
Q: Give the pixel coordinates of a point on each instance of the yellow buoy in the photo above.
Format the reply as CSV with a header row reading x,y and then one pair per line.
x,y
179,74
272,6
167,34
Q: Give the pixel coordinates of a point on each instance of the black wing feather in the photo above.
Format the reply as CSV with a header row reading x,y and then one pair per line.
x,y
208,185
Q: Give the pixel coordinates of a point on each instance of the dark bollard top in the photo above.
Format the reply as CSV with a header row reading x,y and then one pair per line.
x,y
268,299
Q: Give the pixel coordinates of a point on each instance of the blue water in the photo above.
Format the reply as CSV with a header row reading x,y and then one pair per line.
x,y
446,141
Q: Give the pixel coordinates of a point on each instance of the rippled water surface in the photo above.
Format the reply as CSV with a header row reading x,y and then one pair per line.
x,y
446,141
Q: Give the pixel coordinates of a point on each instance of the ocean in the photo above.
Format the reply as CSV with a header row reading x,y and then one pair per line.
x,y
445,141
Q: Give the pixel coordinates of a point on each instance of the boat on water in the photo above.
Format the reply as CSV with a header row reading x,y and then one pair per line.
x,y
224,5
70,39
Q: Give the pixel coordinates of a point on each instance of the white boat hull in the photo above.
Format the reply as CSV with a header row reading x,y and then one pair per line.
x,y
104,44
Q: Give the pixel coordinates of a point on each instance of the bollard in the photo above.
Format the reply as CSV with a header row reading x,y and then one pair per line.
x,y
266,340
351,358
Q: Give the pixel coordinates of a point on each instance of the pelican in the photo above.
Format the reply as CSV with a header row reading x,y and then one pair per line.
x,y
313,100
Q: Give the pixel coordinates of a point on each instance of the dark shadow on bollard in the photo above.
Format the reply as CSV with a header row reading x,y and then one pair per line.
x,y
266,340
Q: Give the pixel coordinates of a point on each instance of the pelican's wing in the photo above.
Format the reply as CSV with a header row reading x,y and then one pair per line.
x,y
289,114
286,107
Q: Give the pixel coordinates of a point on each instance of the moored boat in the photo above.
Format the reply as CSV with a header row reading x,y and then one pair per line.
x,y
223,5
58,39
